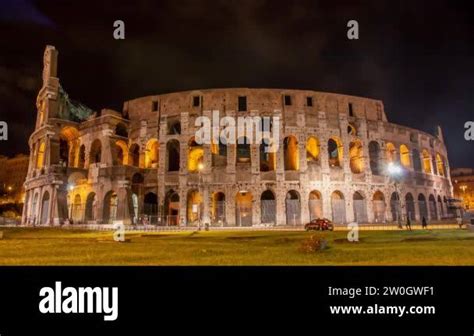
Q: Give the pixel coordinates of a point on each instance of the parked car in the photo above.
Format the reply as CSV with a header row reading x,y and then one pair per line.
x,y
320,224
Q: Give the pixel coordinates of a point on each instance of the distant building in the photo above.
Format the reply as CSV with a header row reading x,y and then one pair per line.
x,y
463,185
12,176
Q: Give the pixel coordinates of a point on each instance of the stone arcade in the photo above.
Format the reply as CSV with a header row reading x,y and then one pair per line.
x,y
143,164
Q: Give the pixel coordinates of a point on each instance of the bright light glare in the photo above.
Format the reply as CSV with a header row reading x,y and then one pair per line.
x,y
394,169
200,166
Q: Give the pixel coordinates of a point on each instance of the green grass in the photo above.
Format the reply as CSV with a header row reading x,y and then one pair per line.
x,y
48,246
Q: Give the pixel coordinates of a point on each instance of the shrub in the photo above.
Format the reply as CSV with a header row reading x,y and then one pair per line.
x,y
313,244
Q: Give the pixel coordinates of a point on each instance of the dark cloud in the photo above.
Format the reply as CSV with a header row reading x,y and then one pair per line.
x,y
415,56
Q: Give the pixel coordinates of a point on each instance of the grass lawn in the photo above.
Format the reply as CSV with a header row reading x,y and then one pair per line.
x,y
48,246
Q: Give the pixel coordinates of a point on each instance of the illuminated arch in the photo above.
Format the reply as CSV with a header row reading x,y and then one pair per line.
x,y
440,165
193,207
152,153
405,156
312,149
291,153
68,145
356,157
77,209
426,161
267,158
195,155
121,157
40,156
243,208
391,152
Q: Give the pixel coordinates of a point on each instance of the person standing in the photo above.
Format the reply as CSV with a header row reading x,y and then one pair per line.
x,y
408,223
424,225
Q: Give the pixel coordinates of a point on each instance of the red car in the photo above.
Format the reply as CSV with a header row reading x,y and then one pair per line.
x,y
320,224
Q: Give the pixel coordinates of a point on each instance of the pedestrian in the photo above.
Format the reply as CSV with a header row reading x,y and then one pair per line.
x,y
424,225
408,223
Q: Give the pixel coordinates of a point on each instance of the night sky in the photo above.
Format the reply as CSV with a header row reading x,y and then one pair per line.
x,y
418,57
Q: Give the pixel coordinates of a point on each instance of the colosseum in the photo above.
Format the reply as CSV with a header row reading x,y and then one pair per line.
x,y
339,157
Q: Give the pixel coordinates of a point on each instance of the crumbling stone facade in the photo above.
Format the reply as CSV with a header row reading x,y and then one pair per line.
x,y
143,165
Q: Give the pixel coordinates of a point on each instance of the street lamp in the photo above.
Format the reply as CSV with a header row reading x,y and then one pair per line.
x,y
396,172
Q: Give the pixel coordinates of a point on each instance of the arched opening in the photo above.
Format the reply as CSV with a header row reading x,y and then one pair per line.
x,y
293,208
63,152
171,208
351,130
374,157
433,209
338,206
410,206
426,162
45,208
218,209
312,149
121,130
194,207
110,207
150,207
68,138
77,210
378,205
243,150
243,208
395,207
40,155
34,209
440,205
90,207
359,205
291,153
219,154
267,158
440,165
268,207
174,127
173,157
391,153
95,155
134,155
82,157
405,156
422,206
121,153
315,205
195,155
335,152
356,157
152,153
416,160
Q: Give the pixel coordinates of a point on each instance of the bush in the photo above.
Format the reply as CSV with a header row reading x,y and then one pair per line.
x,y
313,244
